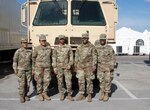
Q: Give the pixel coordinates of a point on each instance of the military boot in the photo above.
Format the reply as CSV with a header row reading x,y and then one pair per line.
x,y
22,99
106,97
40,97
70,98
45,96
101,96
89,98
27,98
80,97
62,96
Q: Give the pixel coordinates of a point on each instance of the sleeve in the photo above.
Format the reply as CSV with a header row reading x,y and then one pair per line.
x,y
70,57
76,57
34,55
15,61
112,62
94,55
54,58
113,57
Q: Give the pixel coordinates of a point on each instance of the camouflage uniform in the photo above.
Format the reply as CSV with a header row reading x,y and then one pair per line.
x,y
106,62
63,59
33,79
41,63
85,63
22,65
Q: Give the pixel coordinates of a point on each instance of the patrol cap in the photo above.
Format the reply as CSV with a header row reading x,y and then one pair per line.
x,y
102,36
85,35
24,40
61,37
42,37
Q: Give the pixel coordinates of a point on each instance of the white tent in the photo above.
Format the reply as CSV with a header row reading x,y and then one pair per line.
x,y
132,42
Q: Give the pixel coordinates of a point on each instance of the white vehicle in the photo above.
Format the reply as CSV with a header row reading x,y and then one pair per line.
x,y
11,29
70,18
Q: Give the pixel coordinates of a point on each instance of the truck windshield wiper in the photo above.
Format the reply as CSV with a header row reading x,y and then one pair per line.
x,y
82,4
56,3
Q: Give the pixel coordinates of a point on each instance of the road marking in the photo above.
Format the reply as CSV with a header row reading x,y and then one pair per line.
x,y
57,99
9,99
122,99
126,90
138,64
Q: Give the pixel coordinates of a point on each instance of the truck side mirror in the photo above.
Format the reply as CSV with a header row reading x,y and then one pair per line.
x,y
116,15
24,15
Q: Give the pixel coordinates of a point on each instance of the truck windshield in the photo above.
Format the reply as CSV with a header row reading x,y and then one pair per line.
x,y
51,13
87,13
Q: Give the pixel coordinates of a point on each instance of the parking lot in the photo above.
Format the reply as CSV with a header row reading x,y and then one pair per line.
x,y
130,90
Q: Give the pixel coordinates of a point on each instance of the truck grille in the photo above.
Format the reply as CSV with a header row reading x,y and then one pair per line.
x,y
75,40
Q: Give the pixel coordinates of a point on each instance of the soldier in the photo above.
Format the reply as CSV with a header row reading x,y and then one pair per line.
x,y
85,66
33,79
41,64
22,65
62,63
106,62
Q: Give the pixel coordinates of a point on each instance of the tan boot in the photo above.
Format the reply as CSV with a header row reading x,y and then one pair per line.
x,y
45,96
22,99
80,97
40,97
27,98
62,96
101,96
89,98
70,98
106,97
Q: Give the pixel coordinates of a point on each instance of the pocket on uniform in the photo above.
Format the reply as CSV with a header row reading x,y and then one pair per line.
x,y
93,76
38,71
100,76
80,74
36,77
19,74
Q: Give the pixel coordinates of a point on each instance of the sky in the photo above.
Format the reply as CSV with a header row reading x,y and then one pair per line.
x,y
134,14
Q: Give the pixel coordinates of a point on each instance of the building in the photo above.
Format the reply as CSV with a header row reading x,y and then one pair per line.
x,y
130,42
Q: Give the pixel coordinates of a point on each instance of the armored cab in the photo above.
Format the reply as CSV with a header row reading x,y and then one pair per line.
x,y
71,18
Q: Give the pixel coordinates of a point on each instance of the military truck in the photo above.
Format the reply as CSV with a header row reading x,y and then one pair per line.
x,y
70,18
11,30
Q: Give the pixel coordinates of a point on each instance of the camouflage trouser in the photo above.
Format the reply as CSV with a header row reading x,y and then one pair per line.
x,y
104,78
43,77
24,79
68,76
112,74
85,76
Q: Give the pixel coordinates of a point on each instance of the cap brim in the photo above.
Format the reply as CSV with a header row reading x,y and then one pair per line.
x,y
85,37
62,38
42,39
103,39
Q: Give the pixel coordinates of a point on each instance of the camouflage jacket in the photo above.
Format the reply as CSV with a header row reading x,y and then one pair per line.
x,y
62,56
22,59
41,56
106,56
86,56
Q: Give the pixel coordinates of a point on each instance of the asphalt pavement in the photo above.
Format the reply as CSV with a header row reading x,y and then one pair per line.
x,y
130,90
